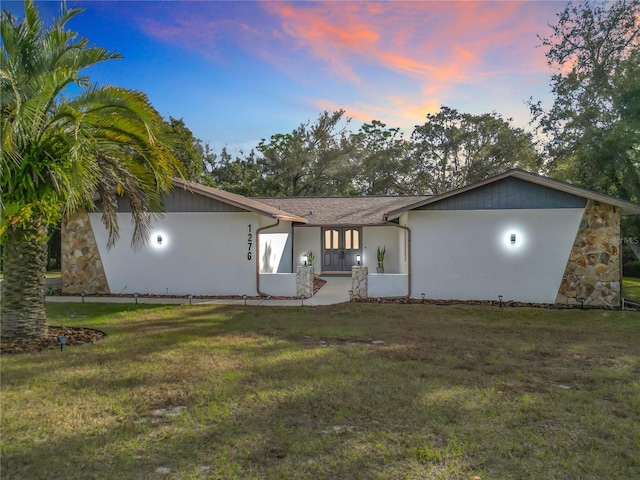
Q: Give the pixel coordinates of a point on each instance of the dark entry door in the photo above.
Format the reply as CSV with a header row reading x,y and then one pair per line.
x,y
340,245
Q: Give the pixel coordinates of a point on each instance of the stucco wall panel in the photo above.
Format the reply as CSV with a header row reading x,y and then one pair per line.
x,y
467,255
201,254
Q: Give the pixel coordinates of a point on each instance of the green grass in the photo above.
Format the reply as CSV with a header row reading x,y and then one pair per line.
x,y
631,288
302,393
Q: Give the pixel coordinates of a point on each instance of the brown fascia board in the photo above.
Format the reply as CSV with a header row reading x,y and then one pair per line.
x,y
626,207
238,201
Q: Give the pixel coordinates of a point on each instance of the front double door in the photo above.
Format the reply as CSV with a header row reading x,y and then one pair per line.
x,y
340,245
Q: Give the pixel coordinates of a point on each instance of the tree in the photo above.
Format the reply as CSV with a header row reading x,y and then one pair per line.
x,y
241,175
314,159
593,126
187,149
453,149
64,142
384,159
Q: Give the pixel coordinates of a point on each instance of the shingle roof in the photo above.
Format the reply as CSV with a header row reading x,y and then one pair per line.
x,y
239,201
333,211
626,207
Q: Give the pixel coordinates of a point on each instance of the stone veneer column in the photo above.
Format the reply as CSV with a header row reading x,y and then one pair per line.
x,y
304,282
82,268
593,270
360,281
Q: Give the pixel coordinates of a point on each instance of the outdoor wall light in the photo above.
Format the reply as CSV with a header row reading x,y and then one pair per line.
x,y
513,239
358,258
305,257
159,239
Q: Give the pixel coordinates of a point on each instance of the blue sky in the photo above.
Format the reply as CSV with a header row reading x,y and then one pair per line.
x,y
237,72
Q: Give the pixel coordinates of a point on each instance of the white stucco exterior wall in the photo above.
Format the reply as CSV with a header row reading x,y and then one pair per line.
x,y
374,237
307,239
200,254
275,247
467,255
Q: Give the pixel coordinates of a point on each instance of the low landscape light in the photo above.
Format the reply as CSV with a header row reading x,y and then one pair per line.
x,y
350,295
62,340
244,297
190,298
500,297
135,295
423,295
581,300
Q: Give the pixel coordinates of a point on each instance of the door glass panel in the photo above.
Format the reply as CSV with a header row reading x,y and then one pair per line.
x,y
327,239
335,243
356,239
347,239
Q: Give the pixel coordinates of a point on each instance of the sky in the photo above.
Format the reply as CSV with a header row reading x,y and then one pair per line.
x,y
240,71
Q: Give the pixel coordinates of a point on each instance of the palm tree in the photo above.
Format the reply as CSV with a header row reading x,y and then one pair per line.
x,y
65,143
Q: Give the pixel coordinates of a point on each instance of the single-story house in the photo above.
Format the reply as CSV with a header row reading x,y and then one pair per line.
x,y
518,236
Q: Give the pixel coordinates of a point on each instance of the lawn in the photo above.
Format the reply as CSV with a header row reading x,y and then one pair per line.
x,y
310,393
631,288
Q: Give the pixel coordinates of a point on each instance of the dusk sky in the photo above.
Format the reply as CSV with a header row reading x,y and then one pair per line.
x,y
237,72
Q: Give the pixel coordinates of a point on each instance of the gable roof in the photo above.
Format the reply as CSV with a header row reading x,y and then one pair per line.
x,y
335,211
626,207
238,201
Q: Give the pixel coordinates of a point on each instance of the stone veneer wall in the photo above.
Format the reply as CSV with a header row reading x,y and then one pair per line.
x,y
593,270
82,268
360,282
304,282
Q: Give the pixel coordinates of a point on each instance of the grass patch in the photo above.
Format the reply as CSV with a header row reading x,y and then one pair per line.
x,y
631,288
304,393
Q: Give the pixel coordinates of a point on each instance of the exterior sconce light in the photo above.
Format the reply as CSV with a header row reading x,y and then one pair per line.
x,y
358,258
244,297
159,239
500,297
305,257
513,239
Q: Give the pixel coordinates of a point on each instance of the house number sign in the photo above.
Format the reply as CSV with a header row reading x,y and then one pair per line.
x,y
249,242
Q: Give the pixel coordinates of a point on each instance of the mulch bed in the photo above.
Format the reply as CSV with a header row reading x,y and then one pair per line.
x,y
318,283
49,341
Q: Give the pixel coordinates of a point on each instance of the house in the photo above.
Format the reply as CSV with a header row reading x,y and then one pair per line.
x,y
518,235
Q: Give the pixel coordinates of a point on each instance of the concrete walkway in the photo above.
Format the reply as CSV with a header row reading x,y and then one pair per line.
x,y
336,290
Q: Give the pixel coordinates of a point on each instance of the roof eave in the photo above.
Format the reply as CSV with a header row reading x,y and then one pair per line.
x,y
626,207
224,199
